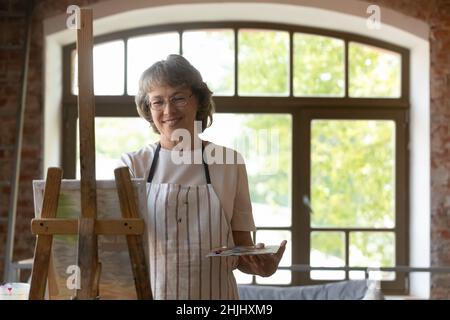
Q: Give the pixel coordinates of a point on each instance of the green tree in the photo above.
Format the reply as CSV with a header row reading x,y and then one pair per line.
x,y
373,72
273,188
318,66
263,62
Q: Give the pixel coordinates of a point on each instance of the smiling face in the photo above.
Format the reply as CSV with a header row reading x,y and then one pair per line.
x,y
172,95
169,114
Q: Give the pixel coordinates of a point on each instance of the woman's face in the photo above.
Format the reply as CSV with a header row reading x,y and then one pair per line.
x,y
172,108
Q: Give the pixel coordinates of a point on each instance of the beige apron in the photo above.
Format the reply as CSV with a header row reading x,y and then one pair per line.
x,y
183,224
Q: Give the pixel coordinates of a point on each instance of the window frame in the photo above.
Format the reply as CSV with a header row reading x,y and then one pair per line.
x,y
399,285
302,110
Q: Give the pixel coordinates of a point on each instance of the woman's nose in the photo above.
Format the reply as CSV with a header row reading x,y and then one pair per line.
x,y
169,108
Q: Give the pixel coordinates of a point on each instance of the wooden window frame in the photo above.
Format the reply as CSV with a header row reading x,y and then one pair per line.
x,y
302,110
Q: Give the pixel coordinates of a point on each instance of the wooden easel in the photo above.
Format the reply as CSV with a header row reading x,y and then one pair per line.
x,y
88,227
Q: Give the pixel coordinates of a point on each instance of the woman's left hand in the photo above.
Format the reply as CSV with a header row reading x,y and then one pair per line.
x,y
263,265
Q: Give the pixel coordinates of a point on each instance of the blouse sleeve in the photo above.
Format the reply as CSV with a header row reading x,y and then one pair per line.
x,y
242,219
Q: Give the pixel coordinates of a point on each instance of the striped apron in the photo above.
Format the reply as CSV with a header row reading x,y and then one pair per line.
x,y
183,224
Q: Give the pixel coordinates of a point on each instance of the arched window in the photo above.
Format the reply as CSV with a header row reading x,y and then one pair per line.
x,y
321,118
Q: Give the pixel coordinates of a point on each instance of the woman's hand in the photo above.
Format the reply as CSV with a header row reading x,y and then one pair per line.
x,y
263,265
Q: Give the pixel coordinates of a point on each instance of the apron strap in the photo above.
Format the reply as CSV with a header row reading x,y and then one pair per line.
x,y
208,179
155,160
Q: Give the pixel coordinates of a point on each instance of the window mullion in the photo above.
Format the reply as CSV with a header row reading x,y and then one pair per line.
x,y
291,64
347,252
236,69
300,187
346,68
125,67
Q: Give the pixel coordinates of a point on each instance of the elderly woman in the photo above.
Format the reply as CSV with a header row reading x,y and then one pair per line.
x,y
192,207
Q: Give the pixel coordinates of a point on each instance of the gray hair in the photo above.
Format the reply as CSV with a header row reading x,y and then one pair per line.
x,y
175,71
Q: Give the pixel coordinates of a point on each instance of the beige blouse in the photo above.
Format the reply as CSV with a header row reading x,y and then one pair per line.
x,y
228,177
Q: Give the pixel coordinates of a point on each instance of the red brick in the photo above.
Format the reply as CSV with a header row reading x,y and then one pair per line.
x,y
444,233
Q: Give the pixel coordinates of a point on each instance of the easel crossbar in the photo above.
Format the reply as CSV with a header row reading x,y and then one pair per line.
x,y
102,226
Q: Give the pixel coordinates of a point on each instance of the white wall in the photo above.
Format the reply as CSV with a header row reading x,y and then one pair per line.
x,y
346,15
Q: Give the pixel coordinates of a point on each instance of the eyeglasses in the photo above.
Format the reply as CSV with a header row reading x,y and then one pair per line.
x,y
178,100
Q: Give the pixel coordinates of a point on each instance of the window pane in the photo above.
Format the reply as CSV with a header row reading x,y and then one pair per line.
x,y
353,173
114,136
319,68
357,275
108,69
264,140
327,250
263,62
212,53
279,277
242,278
143,51
274,237
373,249
374,72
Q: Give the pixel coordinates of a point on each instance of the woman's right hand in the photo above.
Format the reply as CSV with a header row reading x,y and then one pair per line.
x,y
263,265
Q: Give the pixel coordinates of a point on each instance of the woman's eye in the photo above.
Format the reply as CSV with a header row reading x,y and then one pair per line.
x,y
156,103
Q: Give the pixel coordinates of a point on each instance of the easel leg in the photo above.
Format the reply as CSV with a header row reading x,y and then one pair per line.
x,y
43,247
135,244
53,290
96,287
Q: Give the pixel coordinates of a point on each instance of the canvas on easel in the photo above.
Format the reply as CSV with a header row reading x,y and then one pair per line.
x,y
116,279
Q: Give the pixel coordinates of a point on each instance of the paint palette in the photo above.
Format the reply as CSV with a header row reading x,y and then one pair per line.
x,y
242,251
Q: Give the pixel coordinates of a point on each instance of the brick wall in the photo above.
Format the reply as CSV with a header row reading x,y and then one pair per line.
x,y
12,30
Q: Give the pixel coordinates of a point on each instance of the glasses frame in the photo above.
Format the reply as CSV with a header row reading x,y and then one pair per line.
x,y
166,102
